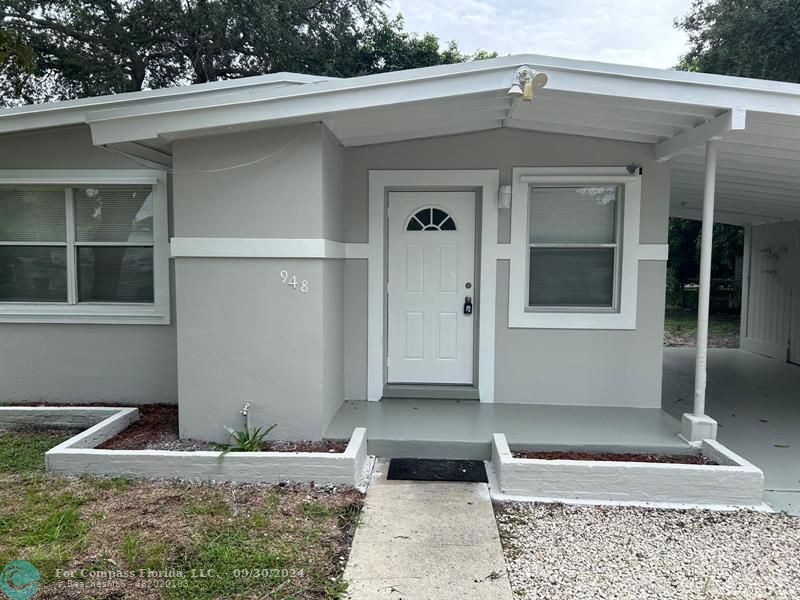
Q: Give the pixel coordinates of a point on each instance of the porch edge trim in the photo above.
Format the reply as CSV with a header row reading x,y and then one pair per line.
x,y
208,247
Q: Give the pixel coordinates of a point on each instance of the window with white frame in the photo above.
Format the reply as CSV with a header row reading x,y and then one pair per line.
x,y
91,251
573,247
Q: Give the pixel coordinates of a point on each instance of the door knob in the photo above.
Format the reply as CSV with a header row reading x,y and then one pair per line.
x,y
468,305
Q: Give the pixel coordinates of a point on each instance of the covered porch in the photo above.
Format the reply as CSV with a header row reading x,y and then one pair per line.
x,y
431,428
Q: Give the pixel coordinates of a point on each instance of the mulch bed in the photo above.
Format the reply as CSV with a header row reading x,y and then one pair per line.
x,y
681,459
157,429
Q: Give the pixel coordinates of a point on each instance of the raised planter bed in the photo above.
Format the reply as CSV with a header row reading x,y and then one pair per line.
x,y
731,481
157,429
79,455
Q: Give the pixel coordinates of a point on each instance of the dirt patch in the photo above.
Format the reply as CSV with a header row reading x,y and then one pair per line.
x,y
332,446
157,429
688,339
299,533
680,459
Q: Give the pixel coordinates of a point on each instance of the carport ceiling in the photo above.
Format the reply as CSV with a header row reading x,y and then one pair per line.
x,y
758,176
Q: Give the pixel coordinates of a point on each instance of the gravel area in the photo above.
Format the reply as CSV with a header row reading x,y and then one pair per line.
x,y
561,552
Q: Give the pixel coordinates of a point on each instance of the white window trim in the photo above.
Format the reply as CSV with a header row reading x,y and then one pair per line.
x,y
624,317
157,313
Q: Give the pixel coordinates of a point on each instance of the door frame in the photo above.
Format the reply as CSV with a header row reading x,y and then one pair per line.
x,y
462,207
381,182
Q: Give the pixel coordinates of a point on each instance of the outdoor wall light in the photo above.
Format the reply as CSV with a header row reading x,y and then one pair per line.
x,y
526,81
504,197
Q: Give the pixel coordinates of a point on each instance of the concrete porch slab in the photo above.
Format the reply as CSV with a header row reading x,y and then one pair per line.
x,y
755,401
425,428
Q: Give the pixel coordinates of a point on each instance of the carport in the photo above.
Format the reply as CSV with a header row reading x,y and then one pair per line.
x,y
747,175
756,402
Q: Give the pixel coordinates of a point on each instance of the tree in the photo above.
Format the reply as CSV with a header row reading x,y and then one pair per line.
x,y
745,38
683,266
91,47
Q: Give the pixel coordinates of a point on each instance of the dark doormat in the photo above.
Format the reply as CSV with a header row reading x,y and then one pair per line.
x,y
430,469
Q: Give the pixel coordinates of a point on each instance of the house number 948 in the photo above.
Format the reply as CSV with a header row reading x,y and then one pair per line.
x,y
290,279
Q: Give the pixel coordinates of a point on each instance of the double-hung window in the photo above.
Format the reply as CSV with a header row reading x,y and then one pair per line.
x,y
85,249
574,248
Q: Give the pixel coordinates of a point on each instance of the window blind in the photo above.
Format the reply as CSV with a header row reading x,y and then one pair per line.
x,y
572,241
119,214
115,274
571,277
572,215
32,214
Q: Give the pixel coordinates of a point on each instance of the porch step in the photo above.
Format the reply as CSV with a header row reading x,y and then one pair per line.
x,y
431,392
456,450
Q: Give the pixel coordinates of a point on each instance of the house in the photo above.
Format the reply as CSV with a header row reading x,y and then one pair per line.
x,y
493,231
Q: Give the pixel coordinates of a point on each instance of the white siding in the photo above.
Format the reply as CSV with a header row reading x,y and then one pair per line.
x,y
773,264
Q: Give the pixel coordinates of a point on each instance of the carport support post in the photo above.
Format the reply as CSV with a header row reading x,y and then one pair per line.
x,y
698,426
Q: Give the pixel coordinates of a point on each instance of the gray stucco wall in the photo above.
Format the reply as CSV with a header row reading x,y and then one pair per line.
x,y
276,197
621,368
333,334
242,337
77,362
242,334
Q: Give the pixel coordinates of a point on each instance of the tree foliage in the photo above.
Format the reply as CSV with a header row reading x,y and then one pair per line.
x,y
684,255
745,38
77,48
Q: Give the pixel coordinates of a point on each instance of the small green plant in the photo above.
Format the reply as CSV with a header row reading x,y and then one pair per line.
x,y
246,440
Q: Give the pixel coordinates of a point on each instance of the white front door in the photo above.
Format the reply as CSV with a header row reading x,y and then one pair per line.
x,y
431,271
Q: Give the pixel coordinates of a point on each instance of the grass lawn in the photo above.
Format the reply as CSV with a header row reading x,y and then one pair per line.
x,y
120,538
677,320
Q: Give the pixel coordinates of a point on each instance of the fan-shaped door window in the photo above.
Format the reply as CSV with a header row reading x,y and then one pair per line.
x,y
431,219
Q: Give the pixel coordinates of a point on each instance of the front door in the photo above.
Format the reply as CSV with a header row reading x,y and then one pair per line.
x,y
431,291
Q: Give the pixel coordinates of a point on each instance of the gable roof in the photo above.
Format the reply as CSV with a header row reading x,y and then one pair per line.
x,y
757,121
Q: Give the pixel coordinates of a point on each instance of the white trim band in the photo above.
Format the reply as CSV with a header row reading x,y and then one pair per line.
x,y
646,251
653,251
186,247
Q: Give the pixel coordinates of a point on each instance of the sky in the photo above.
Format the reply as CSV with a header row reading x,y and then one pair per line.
x,y
636,32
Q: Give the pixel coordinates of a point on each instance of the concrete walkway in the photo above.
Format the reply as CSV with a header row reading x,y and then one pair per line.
x,y
425,541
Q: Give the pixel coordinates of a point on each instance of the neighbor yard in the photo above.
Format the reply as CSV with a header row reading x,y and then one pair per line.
x,y
680,329
121,538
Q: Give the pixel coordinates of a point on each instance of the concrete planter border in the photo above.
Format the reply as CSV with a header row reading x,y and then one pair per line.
x,y
78,455
732,482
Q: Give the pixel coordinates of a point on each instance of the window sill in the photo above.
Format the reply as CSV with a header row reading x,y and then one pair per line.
x,y
123,314
565,320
